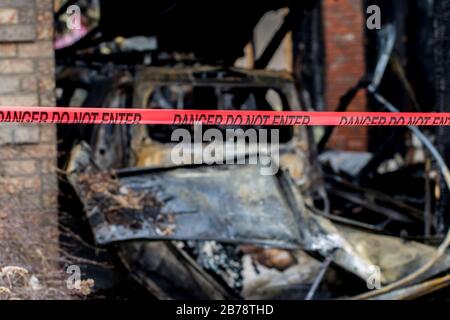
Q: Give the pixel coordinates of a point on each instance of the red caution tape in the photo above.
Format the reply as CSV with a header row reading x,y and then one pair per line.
x,y
59,115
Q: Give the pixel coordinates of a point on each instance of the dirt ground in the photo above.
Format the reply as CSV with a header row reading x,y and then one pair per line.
x,y
29,256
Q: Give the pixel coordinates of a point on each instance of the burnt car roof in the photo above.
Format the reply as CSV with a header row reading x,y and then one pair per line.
x,y
213,75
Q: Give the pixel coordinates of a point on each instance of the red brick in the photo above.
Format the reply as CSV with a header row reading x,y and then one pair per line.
x,y
9,16
48,134
18,184
7,50
45,25
16,66
19,100
9,85
18,168
29,84
36,50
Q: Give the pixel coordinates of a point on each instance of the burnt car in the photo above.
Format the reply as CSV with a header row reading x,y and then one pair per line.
x,y
220,230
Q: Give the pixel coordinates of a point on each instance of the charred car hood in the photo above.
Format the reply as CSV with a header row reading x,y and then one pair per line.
x,y
222,203
231,204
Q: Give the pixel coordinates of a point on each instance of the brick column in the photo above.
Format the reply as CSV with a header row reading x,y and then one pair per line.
x,y
345,64
28,182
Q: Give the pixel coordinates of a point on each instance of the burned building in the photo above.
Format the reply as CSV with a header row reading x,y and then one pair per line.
x,y
350,212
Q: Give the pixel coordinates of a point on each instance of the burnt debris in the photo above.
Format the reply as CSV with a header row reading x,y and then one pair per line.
x,y
329,224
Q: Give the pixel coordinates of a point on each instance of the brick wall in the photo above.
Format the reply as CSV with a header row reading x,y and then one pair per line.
x,y
344,46
28,182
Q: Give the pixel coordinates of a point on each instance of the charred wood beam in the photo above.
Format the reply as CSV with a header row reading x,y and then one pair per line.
x,y
368,204
309,58
348,222
338,183
344,102
264,60
442,74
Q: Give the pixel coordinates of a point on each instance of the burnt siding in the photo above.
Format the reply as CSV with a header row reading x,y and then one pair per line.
x,y
442,75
